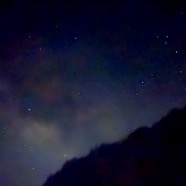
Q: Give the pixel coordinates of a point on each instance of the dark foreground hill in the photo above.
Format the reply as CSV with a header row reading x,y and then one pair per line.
x,y
153,156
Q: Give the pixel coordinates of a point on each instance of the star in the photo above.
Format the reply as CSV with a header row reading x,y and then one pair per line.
x,y
29,109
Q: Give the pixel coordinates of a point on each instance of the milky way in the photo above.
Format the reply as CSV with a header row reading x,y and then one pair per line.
x,y
76,75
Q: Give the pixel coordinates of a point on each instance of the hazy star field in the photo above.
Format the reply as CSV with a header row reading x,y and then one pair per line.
x,y
76,75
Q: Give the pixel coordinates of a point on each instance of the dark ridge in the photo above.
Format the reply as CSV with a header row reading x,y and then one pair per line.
x,y
153,156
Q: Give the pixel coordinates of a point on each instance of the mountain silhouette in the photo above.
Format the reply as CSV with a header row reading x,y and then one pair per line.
x,y
150,156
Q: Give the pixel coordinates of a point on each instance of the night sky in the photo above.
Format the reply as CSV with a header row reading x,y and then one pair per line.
x,y
76,75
